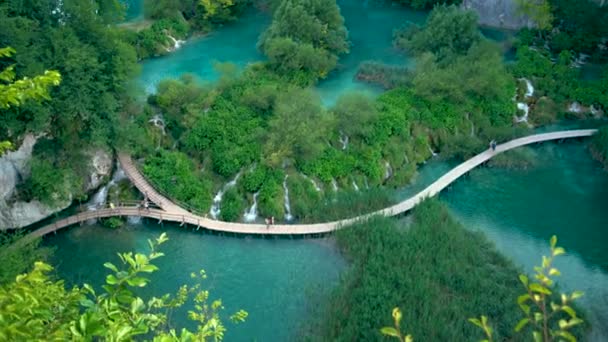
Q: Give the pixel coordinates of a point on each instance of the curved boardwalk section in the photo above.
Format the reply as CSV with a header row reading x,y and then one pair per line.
x,y
173,212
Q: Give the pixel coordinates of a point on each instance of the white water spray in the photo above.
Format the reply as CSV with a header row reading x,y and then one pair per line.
x,y
355,186
252,213
334,184
314,183
177,43
343,140
388,170
98,200
217,200
288,215
526,109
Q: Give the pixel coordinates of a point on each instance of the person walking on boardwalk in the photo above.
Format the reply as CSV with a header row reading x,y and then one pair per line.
x,y
493,145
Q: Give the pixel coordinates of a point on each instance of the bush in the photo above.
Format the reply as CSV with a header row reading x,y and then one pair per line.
x,y
232,206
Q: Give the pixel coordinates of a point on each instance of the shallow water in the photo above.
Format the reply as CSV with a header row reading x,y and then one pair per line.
x,y
236,43
565,194
274,280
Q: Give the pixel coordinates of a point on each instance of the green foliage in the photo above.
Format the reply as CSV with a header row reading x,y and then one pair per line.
x,y
449,31
388,76
395,330
538,11
521,158
549,320
36,308
347,203
175,174
305,36
580,26
270,199
424,269
18,260
49,183
5,146
232,206
113,222
298,128
14,92
228,134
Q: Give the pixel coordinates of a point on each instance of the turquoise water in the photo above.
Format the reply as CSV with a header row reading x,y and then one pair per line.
x,y
237,41
274,280
565,194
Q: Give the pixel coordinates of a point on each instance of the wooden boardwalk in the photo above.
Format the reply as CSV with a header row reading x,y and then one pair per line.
x,y
171,211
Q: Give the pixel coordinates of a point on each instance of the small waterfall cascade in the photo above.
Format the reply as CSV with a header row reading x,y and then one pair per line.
x,y
355,186
524,106
334,184
101,196
433,153
366,183
575,107
343,140
158,121
314,183
288,215
217,200
526,109
388,171
177,43
252,213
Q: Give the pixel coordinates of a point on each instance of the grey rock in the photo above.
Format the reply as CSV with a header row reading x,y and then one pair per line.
x,y
498,13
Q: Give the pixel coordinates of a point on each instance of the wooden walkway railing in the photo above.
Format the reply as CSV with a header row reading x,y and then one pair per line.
x,y
172,212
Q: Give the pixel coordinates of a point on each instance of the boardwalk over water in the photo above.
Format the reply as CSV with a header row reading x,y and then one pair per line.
x,y
171,211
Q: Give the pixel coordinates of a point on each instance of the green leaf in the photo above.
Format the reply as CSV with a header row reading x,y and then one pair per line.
x,y
554,272
576,295
389,331
523,279
523,298
553,241
137,281
558,251
566,335
537,336
111,279
534,287
110,266
569,311
397,316
522,324
476,321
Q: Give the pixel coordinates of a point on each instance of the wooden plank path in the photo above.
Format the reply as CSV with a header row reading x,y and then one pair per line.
x,y
171,211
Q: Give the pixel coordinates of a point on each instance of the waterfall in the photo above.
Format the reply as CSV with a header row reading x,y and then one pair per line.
x,y
343,140
134,219
99,199
355,186
158,121
366,183
314,183
389,171
529,88
177,43
334,184
288,215
575,107
217,200
252,213
433,153
526,109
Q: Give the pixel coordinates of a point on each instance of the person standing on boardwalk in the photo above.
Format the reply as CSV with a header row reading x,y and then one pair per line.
x,y
493,145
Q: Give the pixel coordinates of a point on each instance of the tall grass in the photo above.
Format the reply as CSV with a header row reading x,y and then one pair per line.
x,y
437,272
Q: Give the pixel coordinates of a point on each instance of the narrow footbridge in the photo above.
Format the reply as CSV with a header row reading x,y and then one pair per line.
x,y
169,210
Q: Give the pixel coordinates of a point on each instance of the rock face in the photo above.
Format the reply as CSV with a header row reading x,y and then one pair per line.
x,y
14,169
498,13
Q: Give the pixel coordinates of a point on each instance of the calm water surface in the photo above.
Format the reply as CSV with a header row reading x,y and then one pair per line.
x,y
236,43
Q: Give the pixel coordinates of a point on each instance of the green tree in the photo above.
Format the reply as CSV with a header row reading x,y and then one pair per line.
x,y
305,35
448,32
298,129
355,114
539,11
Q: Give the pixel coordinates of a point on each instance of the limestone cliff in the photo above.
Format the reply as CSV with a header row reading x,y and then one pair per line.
x,y
14,169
